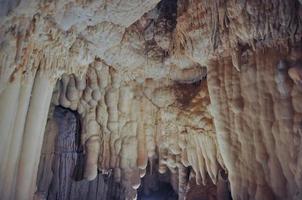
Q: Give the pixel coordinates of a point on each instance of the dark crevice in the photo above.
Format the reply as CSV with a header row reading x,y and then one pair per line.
x,y
158,46
168,13
61,169
156,186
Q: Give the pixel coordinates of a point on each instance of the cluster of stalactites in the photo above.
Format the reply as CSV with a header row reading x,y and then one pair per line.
x,y
125,126
231,28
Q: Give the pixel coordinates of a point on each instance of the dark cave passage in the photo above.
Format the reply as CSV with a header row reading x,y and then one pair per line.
x,y
60,175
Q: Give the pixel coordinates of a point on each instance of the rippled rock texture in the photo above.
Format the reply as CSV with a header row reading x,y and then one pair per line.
x,y
258,124
203,96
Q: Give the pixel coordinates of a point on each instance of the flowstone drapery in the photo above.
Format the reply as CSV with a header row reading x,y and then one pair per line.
x,y
205,92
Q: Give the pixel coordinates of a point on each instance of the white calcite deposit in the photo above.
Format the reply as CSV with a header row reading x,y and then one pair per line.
x,y
206,91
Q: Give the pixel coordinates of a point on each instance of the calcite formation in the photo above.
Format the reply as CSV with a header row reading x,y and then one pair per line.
x,y
126,125
109,99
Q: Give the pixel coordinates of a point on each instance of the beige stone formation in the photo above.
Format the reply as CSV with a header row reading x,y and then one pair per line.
x,y
204,95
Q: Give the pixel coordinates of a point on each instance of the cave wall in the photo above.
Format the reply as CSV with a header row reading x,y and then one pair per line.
x,y
198,86
258,124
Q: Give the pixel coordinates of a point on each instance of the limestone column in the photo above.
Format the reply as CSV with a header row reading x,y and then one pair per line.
x,y
15,139
8,110
33,136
